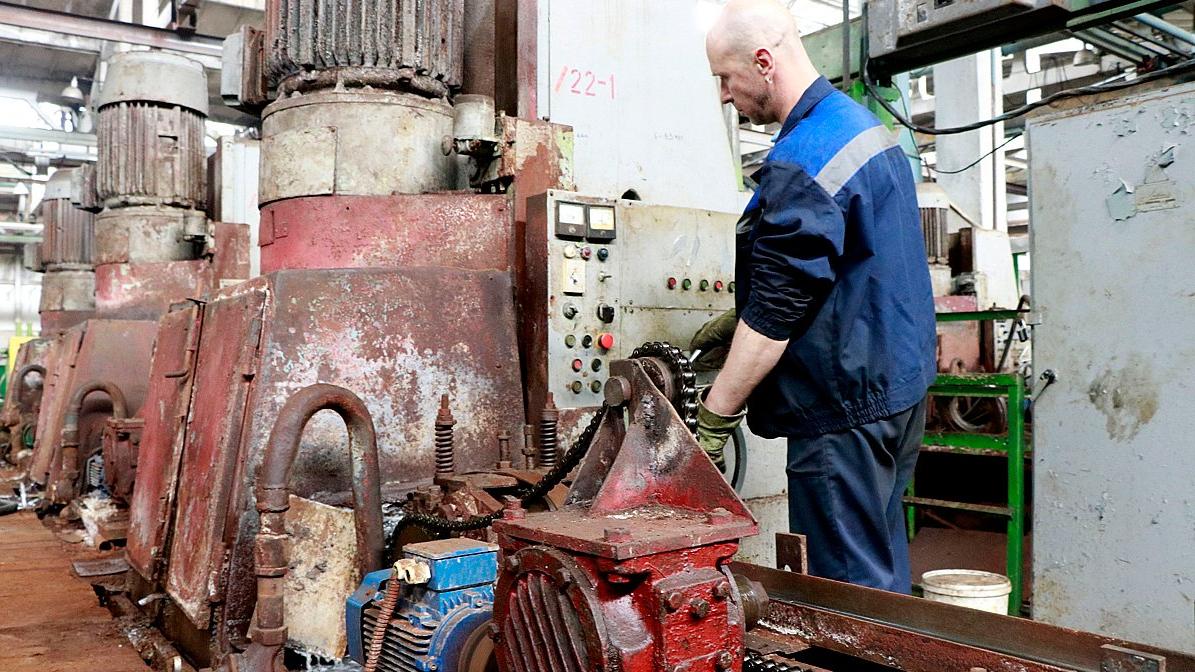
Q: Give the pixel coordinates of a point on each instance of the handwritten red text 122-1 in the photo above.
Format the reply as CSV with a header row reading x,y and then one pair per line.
x,y
585,83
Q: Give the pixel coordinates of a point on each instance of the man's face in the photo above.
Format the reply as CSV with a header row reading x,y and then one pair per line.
x,y
742,83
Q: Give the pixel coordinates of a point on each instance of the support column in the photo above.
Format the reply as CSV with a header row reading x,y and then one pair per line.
x,y
966,90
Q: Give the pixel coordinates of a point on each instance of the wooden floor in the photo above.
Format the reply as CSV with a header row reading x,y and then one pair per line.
x,y
50,620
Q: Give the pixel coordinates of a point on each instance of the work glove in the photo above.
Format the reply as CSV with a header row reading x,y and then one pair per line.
x,y
713,431
713,340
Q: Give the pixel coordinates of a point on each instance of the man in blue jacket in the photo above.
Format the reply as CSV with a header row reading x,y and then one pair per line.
x,y
834,344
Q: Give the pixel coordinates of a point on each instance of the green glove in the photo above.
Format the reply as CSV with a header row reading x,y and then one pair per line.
x,y
713,340
713,431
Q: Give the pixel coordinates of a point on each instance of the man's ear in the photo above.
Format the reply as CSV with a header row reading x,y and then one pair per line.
x,y
764,62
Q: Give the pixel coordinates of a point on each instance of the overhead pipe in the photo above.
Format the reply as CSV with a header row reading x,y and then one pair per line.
x,y
268,631
69,474
1170,49
1163,26
1101,43
1126,45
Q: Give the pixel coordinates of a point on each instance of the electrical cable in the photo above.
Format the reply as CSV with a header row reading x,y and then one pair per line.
x,y
976,162
1094,89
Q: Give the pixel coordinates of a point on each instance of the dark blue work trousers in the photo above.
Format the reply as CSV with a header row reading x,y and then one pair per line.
x,y
844,495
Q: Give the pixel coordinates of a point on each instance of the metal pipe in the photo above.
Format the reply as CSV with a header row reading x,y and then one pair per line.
x,y
18,381
69,474
269,632
1101,43
1131,47
1170,49
1163,26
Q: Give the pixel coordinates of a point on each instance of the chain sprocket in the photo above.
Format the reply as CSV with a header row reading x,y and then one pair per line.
x,y
681,382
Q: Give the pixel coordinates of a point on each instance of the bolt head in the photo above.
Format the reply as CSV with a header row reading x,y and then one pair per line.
x,y
725,661
722,590
699,608
513,564
674,601
564,578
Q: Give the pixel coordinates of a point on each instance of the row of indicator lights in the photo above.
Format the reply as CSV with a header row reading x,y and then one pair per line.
x,y
577,387
702,286
571,251
578,364
605,341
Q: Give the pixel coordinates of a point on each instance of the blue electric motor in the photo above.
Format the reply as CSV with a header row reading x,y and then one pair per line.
x,y
440,626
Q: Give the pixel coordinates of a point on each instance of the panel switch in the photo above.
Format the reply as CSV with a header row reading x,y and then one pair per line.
x,y
605,313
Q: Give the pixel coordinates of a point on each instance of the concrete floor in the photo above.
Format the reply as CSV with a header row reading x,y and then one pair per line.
x,y
50,620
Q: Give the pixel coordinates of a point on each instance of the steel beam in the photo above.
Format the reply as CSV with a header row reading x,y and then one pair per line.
x,y
916,635
46,135
63,23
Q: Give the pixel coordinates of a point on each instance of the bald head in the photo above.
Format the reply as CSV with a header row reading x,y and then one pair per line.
x,y
747,25
755,49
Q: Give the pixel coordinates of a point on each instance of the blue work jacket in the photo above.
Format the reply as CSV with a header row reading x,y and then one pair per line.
x,y
830,256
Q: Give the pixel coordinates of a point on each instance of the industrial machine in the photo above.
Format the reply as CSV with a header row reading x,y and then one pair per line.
x,y
152,246
22,403
635,573
379,277
66,256
397,308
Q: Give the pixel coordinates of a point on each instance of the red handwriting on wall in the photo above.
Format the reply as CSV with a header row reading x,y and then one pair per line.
x,y
585,83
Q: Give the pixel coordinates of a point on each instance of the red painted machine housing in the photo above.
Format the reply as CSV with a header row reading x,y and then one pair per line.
x,y
110,350
389,334
632,574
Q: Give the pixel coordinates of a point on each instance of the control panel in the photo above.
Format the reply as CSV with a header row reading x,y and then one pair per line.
x,y
605,276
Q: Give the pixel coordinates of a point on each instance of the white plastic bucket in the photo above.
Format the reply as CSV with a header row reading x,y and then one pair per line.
x,y
969,588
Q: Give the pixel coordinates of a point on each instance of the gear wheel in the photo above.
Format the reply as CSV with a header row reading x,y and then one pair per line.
x,y
674,376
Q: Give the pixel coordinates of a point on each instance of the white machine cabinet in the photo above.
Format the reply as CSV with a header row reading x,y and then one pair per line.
x,y
1112,188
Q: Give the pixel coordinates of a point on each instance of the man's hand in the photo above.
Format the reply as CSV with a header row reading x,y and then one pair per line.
x,y
713,340
713,431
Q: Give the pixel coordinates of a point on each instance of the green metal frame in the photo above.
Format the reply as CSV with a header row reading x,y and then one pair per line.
x,y
1011,445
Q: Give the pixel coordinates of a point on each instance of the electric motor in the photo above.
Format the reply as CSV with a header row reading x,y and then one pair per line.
x,y
439,626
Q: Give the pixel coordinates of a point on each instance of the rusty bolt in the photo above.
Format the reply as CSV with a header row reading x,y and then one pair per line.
x,y
718,515
494,629
564,578
674,601
722,590
512,564
617,534
699,608
724,661
513,509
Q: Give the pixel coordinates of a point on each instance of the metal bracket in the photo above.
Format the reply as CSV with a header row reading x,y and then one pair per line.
x,y
1119,659
792,552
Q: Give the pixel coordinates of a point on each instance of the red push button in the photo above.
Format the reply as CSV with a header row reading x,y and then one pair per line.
x,y
671,283
605,341
578,365
718,286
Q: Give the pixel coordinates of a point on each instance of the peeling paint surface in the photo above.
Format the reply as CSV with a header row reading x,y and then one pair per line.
x,y
1114,519
396,338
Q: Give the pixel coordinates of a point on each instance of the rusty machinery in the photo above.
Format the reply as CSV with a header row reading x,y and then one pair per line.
x,y
153,246
18,417
380,276
66,256
634,572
